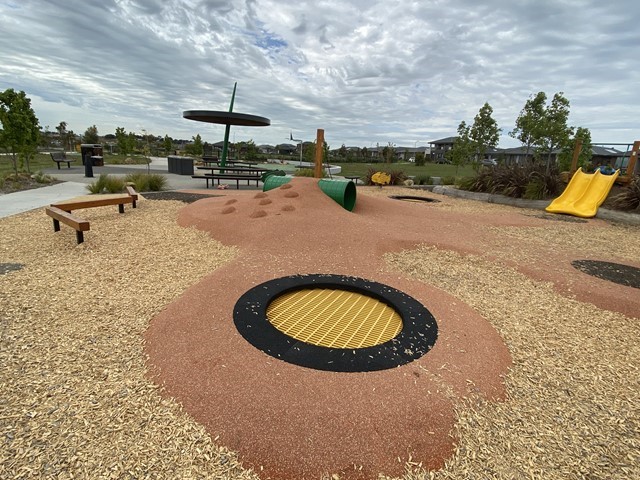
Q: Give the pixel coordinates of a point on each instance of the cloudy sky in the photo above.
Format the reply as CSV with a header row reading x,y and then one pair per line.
x,y
365,71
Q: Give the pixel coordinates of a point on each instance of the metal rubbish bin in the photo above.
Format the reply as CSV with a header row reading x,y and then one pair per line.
x,y
93,150
180,165
88,165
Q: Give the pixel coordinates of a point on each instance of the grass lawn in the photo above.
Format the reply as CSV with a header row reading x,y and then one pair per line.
x,y
43,161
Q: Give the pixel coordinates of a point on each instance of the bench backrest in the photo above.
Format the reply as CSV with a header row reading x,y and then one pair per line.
x,y
56,156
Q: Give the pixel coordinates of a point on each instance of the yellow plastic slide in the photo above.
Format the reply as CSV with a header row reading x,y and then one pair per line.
x,y
584,194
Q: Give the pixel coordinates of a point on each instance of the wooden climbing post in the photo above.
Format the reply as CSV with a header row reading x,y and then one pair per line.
x,y
576,154
633,158
319,153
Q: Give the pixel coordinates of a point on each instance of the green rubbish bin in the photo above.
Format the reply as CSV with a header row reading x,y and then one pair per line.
x,y
274,181
343,192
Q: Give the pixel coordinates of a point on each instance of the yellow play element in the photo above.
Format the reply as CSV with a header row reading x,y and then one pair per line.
x,y
584,194
381,178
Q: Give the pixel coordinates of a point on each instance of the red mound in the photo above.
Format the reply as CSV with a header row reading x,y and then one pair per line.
x,y
292,422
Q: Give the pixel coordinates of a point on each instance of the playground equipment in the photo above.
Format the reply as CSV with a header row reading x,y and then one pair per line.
x,y
227,119
343,192
629,171
584,194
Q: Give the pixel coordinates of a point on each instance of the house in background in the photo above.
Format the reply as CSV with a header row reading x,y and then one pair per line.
x,y
439,148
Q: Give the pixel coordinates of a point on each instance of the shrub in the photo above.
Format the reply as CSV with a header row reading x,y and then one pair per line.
x,y
147,182
629,197
107,184
518,181
40,177
448,180
397,177
422,180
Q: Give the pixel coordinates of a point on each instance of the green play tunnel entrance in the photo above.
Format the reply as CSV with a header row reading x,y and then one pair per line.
x,y
343,192
275,181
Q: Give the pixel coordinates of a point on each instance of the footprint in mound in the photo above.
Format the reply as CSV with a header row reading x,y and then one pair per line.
x,y
228,210
286,186
288,208
291,194
258,214
260,195
265,201
231,201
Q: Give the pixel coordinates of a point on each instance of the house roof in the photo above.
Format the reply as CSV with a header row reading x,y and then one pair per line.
x,y
443,140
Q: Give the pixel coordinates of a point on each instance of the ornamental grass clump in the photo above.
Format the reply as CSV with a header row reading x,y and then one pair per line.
x,y
147,182
629,197
106,184
531,181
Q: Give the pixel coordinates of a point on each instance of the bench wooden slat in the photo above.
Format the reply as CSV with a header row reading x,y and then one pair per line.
x,y
68,218
133,194
90,203
80,225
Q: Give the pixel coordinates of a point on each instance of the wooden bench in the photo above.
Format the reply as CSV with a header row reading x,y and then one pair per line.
x,y
133,194
90,202
70,219
228,176
61,157
61,212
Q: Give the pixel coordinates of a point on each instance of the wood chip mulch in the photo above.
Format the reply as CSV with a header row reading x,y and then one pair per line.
x,y
76,401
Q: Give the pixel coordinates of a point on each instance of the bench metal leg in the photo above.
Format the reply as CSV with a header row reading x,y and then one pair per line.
x,y
79,236
58,163
121,207
56,225
68,164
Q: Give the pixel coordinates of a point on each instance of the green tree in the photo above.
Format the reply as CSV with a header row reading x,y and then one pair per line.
x,y
20,133
463,148
167,144
62,134
252,151
195,148
342,152
123,140
365,154
389,153
554,131
565,157
529,122
484,132
91,135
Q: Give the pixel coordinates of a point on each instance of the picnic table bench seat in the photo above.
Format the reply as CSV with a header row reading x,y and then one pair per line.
x,y
213,177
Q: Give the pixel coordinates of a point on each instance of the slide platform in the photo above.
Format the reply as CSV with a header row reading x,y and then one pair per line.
x,y
584,194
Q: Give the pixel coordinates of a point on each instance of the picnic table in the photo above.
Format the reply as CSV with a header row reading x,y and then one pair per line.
x,y
250,174
235,169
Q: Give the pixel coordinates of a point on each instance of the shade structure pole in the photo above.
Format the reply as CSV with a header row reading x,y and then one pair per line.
x,y
225,144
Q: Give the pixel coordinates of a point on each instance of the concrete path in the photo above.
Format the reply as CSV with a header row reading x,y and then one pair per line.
x,y
18,202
